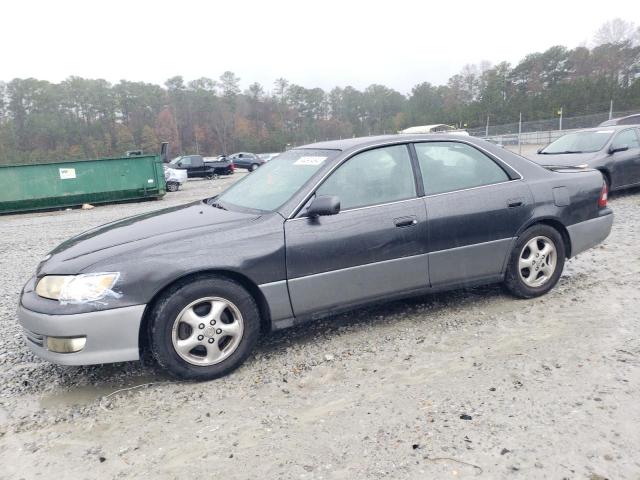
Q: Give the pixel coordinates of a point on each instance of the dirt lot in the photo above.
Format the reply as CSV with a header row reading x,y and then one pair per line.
x,y
463,384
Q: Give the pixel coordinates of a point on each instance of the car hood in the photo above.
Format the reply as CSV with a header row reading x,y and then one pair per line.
x,y
566,159
158,226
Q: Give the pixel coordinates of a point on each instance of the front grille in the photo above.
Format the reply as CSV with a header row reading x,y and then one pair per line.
x,y
33,337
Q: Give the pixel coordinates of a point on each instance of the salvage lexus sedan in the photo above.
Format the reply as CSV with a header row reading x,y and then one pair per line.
x,y
615,151
318,230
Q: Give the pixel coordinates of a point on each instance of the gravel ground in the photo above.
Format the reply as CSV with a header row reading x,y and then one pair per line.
x,y
461,384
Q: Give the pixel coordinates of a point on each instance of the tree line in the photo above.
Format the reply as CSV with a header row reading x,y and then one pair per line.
x,y
89,118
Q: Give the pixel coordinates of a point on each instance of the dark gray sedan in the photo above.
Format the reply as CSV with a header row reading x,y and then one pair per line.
x,y
320,229
614,150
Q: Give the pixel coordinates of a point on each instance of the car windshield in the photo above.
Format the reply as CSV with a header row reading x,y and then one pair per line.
x,y
275,182
579,142
175,160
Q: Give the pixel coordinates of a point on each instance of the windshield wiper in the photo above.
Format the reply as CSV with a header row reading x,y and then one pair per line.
x,y
215,204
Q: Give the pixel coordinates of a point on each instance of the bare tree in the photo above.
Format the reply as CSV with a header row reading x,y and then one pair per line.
x,y
617,32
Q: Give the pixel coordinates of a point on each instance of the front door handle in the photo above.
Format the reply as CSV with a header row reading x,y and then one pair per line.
x,y
405,221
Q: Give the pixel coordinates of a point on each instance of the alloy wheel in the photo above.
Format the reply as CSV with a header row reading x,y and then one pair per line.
x,y
207,331
537,261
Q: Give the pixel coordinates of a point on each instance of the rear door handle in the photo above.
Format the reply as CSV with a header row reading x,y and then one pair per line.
x,y
405,221
515,202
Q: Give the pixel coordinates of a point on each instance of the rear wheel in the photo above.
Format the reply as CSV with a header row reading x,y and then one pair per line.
x,y
536,262
254,166
204,329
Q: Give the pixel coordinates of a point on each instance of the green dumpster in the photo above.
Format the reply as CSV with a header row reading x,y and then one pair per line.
x,y
69,183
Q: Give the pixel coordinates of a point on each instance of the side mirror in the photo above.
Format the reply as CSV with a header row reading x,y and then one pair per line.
x,y
621,148
324,205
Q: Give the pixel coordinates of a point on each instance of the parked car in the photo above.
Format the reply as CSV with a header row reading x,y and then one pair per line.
x,y
320,229
615,151
628,120
267,156
198,166
248,161
174,178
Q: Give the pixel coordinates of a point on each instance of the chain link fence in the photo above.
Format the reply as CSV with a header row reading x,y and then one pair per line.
x,y
540,132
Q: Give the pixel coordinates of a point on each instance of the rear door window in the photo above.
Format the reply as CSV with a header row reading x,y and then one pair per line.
x,y
451,166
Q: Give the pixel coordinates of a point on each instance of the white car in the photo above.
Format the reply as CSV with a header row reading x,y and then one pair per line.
x,y
436,128
174,178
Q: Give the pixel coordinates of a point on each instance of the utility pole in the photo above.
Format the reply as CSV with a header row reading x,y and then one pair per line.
x,y
486,133
560,113
519,134
611,109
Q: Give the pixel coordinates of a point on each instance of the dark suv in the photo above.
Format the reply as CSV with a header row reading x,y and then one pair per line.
x,y
249,161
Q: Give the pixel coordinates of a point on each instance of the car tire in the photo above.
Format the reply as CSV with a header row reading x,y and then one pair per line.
x,y
209,176
254,166
536,262
172,186
203,328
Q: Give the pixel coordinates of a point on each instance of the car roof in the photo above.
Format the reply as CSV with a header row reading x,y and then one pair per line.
x,y
613,128
349,143
616,121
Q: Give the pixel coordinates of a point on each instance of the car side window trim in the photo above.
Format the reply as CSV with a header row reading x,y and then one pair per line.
x,y
472,188
417,173
302,215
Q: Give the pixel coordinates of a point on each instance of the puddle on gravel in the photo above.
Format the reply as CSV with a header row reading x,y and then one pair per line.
x,y
86,394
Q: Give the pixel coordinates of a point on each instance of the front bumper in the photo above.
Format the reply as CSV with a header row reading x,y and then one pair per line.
x,y
588,234
111,335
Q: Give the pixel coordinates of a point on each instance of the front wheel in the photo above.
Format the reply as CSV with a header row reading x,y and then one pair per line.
x,y
204,329
536,262
254,166
172,186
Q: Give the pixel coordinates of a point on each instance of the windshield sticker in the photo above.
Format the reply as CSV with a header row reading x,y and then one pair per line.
x,y
313,161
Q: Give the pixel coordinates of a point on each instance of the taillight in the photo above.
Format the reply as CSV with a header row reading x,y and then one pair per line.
x,y
233,167
604,194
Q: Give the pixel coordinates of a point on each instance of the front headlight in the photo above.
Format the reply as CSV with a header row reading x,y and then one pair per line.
x,y
86,287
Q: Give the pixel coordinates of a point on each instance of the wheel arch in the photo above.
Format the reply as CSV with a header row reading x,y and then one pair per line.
x,y
555,224
246,282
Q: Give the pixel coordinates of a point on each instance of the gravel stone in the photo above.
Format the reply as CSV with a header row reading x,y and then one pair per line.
x,y
557,379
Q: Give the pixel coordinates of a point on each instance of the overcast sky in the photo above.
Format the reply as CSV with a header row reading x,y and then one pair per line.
x,y
312,43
